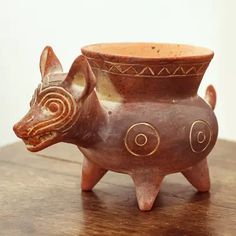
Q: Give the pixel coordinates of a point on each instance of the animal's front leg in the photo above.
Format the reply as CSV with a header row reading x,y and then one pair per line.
x,y
91,174
147,183
198,176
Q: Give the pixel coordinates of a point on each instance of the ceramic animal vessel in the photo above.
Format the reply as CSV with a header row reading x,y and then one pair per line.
x,y
131,108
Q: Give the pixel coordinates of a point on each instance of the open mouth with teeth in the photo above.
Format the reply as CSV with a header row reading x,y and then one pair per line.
x,y
40,142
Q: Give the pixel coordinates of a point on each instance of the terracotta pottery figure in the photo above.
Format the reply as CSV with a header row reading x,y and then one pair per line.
x,y
131,108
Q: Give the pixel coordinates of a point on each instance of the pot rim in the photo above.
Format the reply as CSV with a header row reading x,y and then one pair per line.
x,y
151,52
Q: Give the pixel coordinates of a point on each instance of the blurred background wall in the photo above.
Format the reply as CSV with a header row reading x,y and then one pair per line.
x,y
27,26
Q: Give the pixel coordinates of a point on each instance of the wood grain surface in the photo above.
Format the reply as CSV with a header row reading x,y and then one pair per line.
x,y
40,195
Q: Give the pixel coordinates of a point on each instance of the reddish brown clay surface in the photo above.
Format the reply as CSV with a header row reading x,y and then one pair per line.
x,y
131,108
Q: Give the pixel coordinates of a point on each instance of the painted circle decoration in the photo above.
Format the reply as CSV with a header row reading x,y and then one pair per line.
x,y
200,136
142,139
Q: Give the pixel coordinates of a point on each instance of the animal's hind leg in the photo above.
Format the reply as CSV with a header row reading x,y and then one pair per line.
x,y
91,174
198,176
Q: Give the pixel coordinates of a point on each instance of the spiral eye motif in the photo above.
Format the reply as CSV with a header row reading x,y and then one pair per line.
x,y
142,139
200,136
54,107
63,106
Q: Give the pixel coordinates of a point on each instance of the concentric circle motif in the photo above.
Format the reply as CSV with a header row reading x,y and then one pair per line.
x,y
142,139
199,136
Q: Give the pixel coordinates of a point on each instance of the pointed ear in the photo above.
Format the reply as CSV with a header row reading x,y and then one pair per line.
x,y
81,78
49,62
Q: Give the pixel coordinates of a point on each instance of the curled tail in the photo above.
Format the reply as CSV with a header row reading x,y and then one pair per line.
x,y
210,96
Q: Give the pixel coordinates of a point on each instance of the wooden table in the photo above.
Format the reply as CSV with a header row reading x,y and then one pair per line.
x,y
40,195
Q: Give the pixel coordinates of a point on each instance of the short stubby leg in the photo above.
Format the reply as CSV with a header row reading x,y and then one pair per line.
x,y
198,176
91,174
147,183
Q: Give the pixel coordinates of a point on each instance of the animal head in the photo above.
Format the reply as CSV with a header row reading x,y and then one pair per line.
x,y
57,103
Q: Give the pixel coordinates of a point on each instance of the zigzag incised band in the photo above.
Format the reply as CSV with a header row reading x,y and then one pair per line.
x,y
156,71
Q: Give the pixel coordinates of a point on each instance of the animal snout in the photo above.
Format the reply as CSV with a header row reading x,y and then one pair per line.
x,y
20,130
